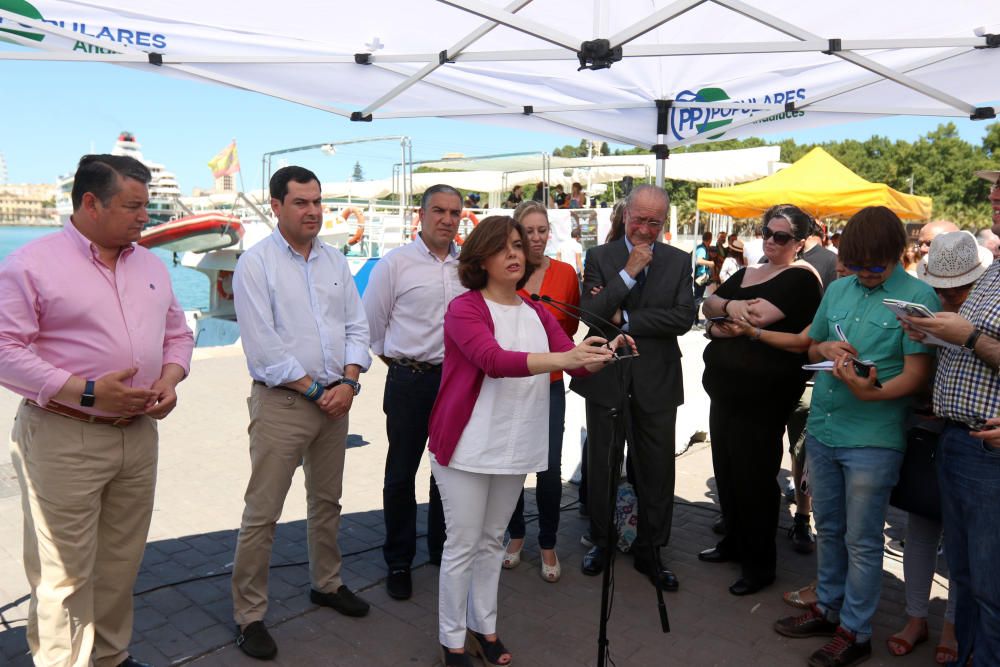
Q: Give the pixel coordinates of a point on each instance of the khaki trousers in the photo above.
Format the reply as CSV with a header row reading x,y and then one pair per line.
x,y
87,496
285,430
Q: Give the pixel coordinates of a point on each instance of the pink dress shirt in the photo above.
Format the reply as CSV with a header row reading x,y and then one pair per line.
x,y
64,313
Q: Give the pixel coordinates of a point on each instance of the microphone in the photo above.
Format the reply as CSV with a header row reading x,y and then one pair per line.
x,y
561,307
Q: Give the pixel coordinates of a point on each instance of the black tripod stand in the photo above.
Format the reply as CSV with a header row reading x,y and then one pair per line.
x,y
621,429
621,419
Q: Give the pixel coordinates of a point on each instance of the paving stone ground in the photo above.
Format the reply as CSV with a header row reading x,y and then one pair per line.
x,y
182,597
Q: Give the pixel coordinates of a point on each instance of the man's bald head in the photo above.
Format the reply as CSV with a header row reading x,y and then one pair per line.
x,y
930,231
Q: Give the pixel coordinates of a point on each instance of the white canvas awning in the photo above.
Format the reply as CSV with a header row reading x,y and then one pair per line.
x,y
690,70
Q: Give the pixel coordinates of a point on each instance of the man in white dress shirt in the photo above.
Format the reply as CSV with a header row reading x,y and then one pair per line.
x,y
305,336
407,294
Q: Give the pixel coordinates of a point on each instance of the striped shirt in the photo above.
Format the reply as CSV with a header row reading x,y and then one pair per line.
x,y
966,389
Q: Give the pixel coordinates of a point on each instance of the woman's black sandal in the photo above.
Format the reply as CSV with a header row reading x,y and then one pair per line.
x,y
449,659
490,651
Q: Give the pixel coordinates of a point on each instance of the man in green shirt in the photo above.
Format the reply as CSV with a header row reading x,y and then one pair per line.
x,y
856,431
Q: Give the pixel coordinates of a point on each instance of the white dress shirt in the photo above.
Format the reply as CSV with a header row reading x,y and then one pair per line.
x,y
298,317
407,294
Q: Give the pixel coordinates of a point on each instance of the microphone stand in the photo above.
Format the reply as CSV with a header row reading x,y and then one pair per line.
x,y
621,426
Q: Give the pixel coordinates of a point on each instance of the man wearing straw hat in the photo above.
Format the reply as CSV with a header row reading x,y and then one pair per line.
x,y
967,395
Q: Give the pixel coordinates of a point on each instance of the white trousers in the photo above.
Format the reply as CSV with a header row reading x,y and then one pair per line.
x,y
477,508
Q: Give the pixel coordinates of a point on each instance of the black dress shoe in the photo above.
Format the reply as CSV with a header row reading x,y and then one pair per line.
x,y
399,583
715,555
593,562
668,580
132,662
749,586
256,642
344,601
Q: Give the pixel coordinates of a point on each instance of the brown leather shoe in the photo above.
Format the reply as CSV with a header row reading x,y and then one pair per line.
x,y
843,650
813,623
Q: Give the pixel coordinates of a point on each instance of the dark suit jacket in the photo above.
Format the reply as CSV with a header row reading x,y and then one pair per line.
x,y
659,311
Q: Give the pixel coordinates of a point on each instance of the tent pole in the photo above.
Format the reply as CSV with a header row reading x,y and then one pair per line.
x,y
660,147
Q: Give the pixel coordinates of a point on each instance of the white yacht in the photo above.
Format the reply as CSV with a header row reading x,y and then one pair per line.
x,y
164,193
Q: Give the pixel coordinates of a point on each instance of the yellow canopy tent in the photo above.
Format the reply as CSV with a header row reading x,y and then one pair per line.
x,y
817,184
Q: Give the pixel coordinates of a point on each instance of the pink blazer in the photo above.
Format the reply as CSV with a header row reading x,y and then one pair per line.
x,y
471,352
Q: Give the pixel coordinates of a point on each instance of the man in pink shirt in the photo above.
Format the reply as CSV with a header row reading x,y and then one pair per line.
x,y
92,337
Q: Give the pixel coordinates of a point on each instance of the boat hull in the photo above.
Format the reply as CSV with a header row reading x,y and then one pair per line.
x,y
198,234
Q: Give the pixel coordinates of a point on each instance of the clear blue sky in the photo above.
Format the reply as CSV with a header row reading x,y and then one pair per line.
x,y
51,113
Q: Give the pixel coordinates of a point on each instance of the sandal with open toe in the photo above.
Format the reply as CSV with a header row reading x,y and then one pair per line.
x,y
803,598
899,647
512,559
551,573
944,654
491,652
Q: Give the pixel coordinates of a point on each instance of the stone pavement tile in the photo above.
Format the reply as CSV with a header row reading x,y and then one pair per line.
x,y
148,619
146,652
192,621
168,601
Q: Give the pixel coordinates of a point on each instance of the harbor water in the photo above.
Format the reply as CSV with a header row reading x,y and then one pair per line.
x,y
190,286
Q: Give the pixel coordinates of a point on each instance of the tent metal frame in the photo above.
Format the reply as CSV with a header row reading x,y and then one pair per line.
x,y
568,47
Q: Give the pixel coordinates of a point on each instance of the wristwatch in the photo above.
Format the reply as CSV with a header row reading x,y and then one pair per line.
x,y
970,342
353,384
87,398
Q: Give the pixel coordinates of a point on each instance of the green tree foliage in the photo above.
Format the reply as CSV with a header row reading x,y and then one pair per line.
x,y
939,164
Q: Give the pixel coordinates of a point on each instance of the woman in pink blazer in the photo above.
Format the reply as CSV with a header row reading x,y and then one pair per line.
x,y
489,426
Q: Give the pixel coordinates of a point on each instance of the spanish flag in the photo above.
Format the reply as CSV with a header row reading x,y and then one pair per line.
x,y
226,163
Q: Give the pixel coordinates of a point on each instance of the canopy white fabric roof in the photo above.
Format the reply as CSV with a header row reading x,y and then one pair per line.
x,y
692,70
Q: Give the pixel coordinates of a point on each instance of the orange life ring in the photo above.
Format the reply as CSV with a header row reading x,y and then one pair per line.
x,y
471,217
226,294
416,225
360,217
466,215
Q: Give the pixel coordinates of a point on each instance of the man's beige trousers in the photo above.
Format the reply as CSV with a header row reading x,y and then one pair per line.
x,y
285,430
87,497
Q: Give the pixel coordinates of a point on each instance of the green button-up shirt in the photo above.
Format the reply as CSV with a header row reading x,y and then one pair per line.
x,y
836,417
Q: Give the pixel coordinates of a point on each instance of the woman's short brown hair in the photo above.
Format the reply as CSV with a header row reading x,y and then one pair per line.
x,y
487,239
873,236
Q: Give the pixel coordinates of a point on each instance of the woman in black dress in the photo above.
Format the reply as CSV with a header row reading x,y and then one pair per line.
x,y
753,388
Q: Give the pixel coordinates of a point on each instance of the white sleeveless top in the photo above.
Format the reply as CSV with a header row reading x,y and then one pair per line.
x,y
508,432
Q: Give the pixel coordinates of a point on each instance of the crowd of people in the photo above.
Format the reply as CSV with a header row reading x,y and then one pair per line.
x,y
475,361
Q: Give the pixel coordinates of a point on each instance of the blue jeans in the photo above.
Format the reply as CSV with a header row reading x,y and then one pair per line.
x,y
850,490
548,488
969,475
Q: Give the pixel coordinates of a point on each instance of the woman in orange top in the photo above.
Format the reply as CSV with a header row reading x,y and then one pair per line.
x,y
559,281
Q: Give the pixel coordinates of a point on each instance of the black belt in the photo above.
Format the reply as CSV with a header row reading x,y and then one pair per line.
x,y
294,391
418,366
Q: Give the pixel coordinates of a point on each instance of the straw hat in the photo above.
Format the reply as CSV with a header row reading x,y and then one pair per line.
x,y
955,259
736,245
990,175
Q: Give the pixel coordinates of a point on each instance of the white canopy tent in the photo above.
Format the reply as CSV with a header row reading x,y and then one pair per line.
x,y
687,71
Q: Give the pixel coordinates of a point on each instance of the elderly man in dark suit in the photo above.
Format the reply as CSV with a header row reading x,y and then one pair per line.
x,y
644,287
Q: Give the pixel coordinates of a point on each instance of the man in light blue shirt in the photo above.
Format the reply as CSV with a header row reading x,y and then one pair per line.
x,y
305,335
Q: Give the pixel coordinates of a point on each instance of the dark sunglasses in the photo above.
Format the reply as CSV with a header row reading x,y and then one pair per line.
x,y
857,268
781,238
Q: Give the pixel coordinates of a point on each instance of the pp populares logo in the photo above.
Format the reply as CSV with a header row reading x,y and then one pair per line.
x,y
688,122
26,10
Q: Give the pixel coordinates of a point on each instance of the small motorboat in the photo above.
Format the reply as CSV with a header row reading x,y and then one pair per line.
x,y
194,233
